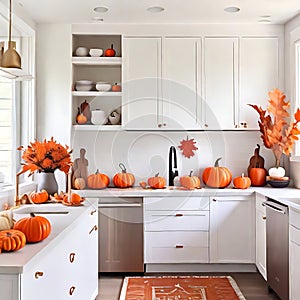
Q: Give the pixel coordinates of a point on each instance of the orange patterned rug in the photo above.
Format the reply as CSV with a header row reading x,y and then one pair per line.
x,y
180,287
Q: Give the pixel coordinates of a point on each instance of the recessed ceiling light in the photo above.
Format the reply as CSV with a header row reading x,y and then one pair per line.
x,y
232,9
264,21
155,9
101,9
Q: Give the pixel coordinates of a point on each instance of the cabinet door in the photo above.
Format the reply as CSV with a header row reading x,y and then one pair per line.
x,y
9,287
294,270
220,82
142,83
232,230
259,75
261,243
181,83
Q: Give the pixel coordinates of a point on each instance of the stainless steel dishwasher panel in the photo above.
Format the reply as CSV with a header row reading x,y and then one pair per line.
x,y
277,248
121,235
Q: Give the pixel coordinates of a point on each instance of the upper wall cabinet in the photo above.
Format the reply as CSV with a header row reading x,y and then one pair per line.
x,y
259,74
220,82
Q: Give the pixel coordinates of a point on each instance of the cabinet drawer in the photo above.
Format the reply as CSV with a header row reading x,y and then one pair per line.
x,y
177,220
176,247
295,235
176,203
294,218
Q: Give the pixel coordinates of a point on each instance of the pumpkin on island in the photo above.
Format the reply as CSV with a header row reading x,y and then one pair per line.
x,y
123,179
190,182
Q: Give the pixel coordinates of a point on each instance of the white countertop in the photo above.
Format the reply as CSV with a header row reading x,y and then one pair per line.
x,y
16,262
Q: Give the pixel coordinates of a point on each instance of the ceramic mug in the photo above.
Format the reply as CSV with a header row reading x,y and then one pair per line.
x,y
98,117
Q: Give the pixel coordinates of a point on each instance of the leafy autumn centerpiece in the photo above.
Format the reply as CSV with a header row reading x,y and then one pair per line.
x,y
278,132
46,156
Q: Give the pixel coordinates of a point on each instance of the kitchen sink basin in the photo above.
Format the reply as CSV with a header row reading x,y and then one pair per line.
x,y
47,209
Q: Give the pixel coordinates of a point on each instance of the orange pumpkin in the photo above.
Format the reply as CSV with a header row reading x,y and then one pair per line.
x,y
81,119
38,197
242,182
258,176
116,88
35,228
75,199
97,181
217,177
157,182
190,182
11,240
79,183
123,179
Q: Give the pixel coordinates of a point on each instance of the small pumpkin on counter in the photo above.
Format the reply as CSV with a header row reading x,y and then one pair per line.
x,y
35,228
38,197
217,177
242,182
110,51
79,183
258,176
123,179
157,182
190,182
6,220
116,88
75,199
11,240
97,180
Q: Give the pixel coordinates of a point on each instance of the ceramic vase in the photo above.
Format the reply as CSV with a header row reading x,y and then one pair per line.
x,y
47,181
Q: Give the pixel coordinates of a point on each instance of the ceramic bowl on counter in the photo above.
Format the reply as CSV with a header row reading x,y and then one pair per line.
x,y
103,86
84,85
82,51
96,52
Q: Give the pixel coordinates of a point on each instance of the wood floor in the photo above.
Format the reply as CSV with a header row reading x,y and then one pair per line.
x,y
252,285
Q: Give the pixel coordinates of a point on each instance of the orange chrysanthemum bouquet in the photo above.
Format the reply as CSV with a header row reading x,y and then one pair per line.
x,y
46,156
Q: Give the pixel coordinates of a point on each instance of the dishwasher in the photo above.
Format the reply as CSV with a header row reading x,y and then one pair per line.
x,y
277,222
121,235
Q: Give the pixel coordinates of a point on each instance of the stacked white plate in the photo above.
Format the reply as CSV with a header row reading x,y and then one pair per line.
x,y
84,85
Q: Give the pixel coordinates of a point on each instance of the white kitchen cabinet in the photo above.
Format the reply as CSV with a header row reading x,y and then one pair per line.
x,y
232,229
261,247
104,69
142,83
176,231
10,287
259,74
294,248
220,82
69,270
181,84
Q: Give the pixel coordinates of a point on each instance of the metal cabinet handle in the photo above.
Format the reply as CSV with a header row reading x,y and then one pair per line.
x,y
179,215
72,257
205,125
179,246
159,125
264,217
215,200
164,124
94,228
71,290
38,274
93,211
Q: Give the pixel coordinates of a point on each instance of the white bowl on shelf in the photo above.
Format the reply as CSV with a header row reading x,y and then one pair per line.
x,y
84,82
82,51
103,86
98,117
84,85
96,52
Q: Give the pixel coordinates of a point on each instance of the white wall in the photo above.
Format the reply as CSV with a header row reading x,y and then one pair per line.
x,y
53,81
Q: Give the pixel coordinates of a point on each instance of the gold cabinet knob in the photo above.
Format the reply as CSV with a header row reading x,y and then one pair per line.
x,y
72,257
38,274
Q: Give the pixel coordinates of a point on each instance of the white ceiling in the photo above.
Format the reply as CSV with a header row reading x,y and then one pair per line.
x,y
176,11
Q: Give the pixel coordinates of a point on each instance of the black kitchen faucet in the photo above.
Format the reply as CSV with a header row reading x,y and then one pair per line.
x,y
173,172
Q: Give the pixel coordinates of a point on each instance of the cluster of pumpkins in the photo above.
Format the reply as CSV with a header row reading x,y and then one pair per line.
x,y
15,235
215,177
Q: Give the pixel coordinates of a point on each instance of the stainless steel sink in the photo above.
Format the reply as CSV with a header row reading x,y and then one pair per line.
x,y
45,209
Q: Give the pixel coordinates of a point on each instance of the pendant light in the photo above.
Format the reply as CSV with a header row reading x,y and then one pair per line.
x,y
11,58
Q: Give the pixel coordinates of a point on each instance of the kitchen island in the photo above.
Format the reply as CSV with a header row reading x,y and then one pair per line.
x,y
62,265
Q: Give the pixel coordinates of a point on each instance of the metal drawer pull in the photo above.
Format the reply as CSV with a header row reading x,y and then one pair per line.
x,y
72,257
94,228
71,290
179,215
38,274
264,217
93,211
215,200
179,246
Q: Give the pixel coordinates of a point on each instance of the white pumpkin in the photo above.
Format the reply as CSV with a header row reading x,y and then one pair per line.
x,y
277,172
6,220
177,181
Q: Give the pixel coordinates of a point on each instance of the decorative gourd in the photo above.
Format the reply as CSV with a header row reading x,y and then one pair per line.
x,y
176,181
79,183
11,240
258,176
38,197
217,177
81,119
256,161
190,182
35,228
110,51
277,172
75,199
86,111
242,182
116,88
123,179
97,180
6,220
157,182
